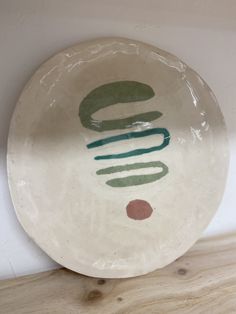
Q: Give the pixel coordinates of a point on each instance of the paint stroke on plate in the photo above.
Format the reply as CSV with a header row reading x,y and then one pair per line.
x,y
135,152
135,179
127,136
113,93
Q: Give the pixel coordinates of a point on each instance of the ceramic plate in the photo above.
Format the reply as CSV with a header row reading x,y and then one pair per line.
x,y
117,157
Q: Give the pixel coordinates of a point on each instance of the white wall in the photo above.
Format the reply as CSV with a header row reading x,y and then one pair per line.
x,y
202,33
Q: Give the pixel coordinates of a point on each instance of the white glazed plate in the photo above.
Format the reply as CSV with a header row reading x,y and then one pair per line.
x,y
117,157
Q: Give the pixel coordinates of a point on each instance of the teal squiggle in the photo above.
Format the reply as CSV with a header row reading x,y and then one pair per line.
x,y
140,151
128,136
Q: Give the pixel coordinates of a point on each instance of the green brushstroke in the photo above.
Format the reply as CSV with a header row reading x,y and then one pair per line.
x,y
111,94
128,136
138,179
128,167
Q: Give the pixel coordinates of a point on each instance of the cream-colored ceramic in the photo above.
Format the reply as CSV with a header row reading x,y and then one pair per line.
x,y
117,157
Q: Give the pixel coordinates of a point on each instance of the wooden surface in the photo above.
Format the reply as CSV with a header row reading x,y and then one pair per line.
x,y
202,281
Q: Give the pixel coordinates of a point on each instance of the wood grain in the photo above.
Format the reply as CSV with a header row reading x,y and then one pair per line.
x,y
202,281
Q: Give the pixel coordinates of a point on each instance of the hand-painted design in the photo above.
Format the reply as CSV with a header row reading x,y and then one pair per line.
x,y
138,179
135,166
139,210
137,152
111,94
128,136
124,92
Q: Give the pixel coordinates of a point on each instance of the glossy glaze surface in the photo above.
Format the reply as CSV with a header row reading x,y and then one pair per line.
x,y
117,157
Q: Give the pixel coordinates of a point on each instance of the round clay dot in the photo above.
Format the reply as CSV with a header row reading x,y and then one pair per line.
x,y
139,210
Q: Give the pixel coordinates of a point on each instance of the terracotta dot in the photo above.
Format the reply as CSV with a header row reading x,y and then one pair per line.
x,y
139,209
